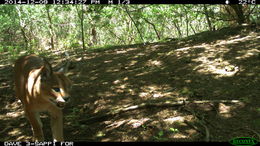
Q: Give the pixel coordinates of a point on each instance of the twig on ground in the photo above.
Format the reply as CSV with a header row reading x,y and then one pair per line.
x,y
152,105
201,122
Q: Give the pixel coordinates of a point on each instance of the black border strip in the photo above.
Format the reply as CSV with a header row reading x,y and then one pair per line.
x,y
116,2
108,143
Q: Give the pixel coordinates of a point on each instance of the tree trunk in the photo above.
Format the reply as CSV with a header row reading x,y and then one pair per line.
x,y
154,28
114,34
82,28
192,28
94,35
207,17
50,26
139,32
187,22
239,13
178,29
22,27
81,19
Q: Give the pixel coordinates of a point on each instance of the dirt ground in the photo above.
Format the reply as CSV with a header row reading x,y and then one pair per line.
x,y
129,93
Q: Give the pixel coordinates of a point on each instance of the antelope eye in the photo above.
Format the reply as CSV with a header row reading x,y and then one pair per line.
x,y
56,89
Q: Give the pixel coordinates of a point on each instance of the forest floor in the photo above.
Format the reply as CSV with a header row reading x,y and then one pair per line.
x,y
137,92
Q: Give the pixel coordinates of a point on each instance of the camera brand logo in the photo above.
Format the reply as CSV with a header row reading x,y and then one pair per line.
x,y
243,141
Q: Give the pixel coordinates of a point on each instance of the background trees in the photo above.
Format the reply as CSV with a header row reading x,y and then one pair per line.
x,y
40,27
128,92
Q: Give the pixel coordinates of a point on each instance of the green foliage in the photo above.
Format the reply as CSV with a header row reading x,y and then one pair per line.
x,y
144,127
245,99
74,116
100,134
256,122
159,136
173,130
1,49
187,92
28,26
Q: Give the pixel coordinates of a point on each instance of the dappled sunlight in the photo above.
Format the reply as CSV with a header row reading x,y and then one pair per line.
x,y
238,38
115,124
121,52
132,63
171,120
224,110
105,94
142,73
4,86
248,53
113,70
135,123
156,63
191,131
93,78
228,110
217,67
125,51
121,86
211,65
24,138
15,132
14,114
14,110
154,47
211,60
186,49
155,92
179,136
88,57
139,55
100,105
2,66
108,61
5,64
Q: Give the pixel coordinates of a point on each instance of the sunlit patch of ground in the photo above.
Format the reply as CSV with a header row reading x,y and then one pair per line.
x,y
126,77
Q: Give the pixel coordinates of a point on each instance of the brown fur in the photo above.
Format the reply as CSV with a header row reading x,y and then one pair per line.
x,y
34,84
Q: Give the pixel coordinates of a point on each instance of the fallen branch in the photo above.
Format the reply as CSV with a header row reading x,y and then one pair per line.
x,y
114,112
214,101
206,130
193,126
6,128
201,122
130,108
246,128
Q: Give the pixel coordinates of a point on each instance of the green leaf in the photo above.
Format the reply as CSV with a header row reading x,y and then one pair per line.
x,y
174,130
160,134
100,134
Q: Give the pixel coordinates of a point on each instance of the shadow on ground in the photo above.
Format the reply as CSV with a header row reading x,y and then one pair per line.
x,y
212,66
